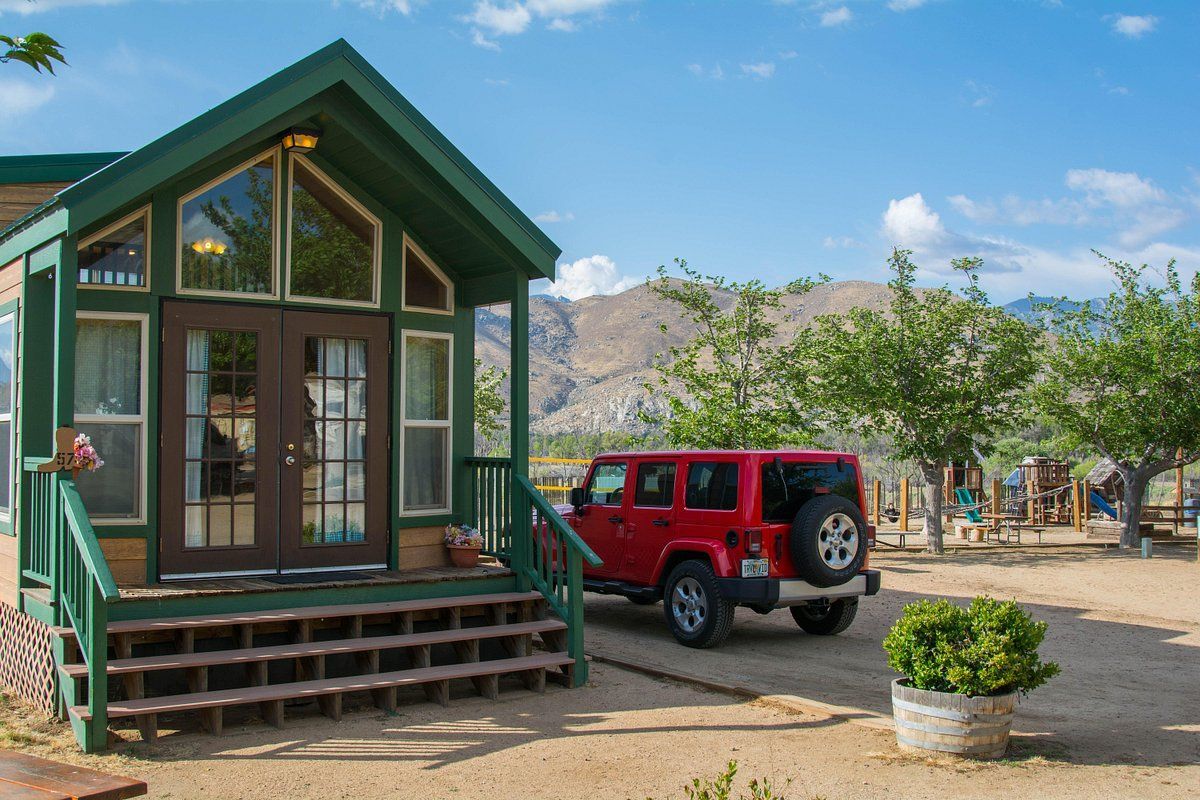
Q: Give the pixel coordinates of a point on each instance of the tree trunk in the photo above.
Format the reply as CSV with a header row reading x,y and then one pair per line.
x,y
933,474
1131,510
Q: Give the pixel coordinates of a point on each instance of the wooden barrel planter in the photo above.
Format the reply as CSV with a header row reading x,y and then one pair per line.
x,y
977,727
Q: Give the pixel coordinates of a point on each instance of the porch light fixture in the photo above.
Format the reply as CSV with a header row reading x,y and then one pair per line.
x,y
301,140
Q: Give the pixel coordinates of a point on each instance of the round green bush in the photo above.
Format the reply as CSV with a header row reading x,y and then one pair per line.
x,y
988,648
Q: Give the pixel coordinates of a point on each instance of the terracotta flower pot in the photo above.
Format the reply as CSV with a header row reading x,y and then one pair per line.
x,y
463,556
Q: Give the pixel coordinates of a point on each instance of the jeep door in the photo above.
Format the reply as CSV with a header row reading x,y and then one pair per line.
x,y
650,519
601,518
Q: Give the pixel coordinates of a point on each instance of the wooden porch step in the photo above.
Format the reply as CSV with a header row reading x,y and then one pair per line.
x,y
24,776
326,687
310,613
327,648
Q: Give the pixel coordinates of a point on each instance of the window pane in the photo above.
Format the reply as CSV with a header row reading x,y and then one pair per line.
x,y
427,378
118,258
607,485
333,243
423,288
226,233
712,486
7,352
5,466
108,366
426,452
790,485
655,485
114,490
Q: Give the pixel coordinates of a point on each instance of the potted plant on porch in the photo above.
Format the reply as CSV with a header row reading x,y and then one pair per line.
x,y
464,544
963,668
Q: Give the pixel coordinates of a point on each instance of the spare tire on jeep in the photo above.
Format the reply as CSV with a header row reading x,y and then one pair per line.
x,y
828,540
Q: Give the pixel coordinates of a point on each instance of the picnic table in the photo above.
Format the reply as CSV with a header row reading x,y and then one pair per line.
x,y
1011,524
25,777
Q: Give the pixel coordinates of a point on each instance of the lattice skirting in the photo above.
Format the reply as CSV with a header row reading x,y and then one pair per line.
x,y
26,658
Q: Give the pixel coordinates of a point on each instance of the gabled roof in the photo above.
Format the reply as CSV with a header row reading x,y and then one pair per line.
x,y
471,206
53,167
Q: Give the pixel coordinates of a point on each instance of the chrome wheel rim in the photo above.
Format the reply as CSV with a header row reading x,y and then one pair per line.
x,y
837,543
689,605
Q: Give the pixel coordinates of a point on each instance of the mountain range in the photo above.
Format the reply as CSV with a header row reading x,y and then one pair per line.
x,y
589,358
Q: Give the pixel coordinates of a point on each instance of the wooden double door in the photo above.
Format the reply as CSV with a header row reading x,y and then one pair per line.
x,y
275,430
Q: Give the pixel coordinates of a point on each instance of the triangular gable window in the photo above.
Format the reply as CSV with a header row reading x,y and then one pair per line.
x,y
333,247
426,288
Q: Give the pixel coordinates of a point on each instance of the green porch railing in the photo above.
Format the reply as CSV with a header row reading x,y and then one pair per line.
x,y
553,562
491,503
65,556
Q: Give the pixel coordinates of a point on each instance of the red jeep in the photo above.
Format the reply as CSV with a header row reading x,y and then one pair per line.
x,y
712,530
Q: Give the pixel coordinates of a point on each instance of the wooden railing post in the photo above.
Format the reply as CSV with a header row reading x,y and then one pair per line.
x,y
1087,502
579,673
1076,517
875,492
904,504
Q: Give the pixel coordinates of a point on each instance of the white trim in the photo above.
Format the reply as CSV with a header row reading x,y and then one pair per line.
x,y
244,573
377,250
446,424
276,169
143,212
6,511
127,419
407,245
304,570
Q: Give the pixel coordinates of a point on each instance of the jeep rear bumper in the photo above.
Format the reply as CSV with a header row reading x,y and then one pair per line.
x,y
778,592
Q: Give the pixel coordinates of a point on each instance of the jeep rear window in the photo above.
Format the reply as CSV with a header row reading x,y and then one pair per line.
x,y
607,484
655,485
712,485
783,494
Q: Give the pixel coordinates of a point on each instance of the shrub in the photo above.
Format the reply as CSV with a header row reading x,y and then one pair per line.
x,y
721,788
988,648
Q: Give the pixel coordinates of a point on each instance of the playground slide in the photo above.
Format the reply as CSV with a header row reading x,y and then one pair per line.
x,y
1102,504
963,496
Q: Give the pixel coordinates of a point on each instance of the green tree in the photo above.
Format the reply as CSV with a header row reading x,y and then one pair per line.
x,y
489,402
724,389
936,374
38,50
1123,377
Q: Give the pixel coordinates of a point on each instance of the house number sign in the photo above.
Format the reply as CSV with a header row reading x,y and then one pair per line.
x,y
64,451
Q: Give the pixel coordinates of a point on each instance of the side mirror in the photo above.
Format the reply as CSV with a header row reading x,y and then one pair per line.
x,y
577,497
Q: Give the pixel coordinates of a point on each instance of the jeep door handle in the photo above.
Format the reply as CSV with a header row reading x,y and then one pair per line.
x,y
662,523
616,520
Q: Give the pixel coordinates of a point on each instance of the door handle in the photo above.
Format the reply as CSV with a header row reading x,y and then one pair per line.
x,y
662,523
616,520
290,461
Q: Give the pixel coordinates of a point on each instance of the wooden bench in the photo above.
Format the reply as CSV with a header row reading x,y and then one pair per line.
x,y
25,777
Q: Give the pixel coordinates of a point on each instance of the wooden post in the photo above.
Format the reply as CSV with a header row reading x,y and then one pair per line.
x,y
997,490
875,491
1086,504
948,491
1076,517
1031,488
1179,484
522,549
904,504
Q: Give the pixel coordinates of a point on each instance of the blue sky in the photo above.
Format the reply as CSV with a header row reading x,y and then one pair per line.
x,y
755,138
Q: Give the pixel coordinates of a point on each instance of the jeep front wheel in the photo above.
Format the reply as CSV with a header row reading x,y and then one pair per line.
x,y
826,619
696,614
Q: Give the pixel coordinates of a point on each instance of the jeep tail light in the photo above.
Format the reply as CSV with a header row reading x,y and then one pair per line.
x,y
753,541
871,536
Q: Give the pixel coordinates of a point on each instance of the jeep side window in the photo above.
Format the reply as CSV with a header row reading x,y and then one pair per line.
x,y
655,485
712,485
607,484
783,494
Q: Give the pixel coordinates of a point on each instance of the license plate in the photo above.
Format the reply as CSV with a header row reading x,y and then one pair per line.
x,y
754,567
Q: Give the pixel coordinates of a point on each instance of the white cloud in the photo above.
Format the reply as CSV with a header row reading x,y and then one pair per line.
x,y
590,276
788,55
1122,189
905,5
496,81
836,16
25,8
835,242
18,98
980,93
716,73
564,25
513,17
479,40
381,7
505,20
1134,27
554,216
912,223
760,71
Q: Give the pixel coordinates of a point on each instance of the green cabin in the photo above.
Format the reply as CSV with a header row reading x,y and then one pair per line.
x,y
264,321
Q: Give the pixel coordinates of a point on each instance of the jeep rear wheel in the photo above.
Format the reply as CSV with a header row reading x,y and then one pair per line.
x,y
696,614
828,541
826,619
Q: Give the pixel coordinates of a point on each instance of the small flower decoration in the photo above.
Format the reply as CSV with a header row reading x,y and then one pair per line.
x,y
463,536
86,456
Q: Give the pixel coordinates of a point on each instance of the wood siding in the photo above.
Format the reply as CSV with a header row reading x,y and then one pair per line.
x,y
10,291
18,199
126,559
422,547
8,569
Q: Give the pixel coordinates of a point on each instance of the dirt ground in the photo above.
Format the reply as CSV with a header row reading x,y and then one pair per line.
x,y
1122,720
